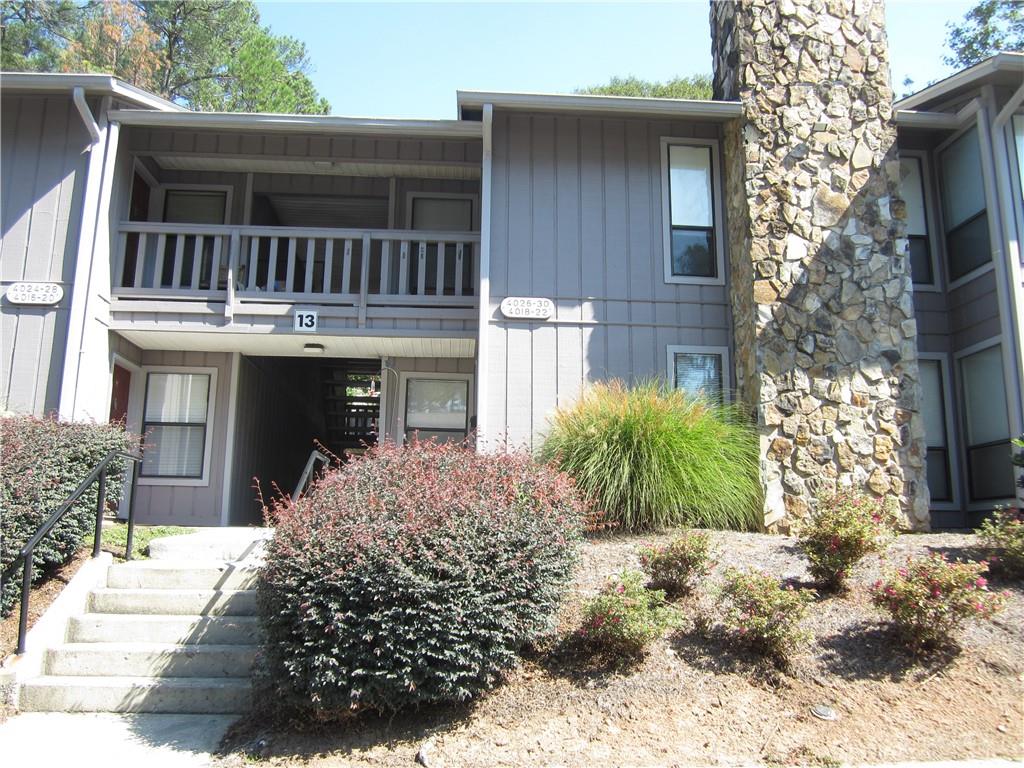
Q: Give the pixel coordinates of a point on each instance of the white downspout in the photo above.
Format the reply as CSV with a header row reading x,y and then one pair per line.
x,y
78,97
483,342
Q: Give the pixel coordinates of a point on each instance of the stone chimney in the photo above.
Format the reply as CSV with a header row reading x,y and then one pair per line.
x,y
825,336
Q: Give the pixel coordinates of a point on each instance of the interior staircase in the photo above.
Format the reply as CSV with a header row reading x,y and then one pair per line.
x,y
174,634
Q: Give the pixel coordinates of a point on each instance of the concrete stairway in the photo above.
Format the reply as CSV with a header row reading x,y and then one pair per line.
x,y
172,635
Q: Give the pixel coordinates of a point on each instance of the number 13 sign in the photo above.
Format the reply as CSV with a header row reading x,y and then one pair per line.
x,y
305,321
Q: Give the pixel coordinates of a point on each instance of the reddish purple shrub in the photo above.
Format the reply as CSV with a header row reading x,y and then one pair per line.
x,y
413,575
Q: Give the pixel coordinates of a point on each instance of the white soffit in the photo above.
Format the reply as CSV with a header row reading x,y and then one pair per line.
x,y
291,344
325,167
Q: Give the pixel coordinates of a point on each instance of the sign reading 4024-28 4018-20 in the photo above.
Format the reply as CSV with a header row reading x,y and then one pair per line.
x,y
527,308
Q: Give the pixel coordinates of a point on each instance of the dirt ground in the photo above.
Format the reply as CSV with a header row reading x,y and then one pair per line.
x,y
696,700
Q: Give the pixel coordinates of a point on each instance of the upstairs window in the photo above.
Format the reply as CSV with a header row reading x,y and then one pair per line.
x,y
963,207
912,189
691,241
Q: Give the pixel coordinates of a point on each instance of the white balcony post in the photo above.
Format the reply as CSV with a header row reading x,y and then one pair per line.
x,y
364,279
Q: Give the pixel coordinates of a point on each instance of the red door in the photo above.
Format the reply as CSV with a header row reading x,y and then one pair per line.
x,y
119,392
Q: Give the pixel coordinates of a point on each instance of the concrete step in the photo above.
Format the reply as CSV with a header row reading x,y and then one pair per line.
x,y
171,574
204,602
212,544
127,628
194,695
150,660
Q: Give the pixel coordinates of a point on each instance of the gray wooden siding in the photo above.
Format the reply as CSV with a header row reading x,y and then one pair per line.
x,y
121,346
974,311
44,161
576,218
191,505
279,406
419,365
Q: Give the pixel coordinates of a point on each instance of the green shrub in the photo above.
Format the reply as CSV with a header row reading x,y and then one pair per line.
x,y
675,566
625,617
655,457
931,597
841,531
1003,535
764,614
42,461
413,575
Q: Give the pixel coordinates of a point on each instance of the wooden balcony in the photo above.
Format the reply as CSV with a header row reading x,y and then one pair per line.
x,y
353,274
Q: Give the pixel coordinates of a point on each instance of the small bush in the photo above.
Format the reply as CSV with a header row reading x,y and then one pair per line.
x,y
675,566
653,457
625,617
764,614
931,597
1003,535
413,575
841,531
42,462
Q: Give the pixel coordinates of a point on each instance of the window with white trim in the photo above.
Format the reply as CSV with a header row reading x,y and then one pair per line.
x,y
698,370
175,424
1018,137
437,408
691,241
933,409
912,190
963,207
989,468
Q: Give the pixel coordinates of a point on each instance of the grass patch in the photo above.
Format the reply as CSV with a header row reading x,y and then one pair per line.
x,y
655,457
114,538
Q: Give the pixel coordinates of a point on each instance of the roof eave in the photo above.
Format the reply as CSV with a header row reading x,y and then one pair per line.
x,y
586,103
1000,62
107,84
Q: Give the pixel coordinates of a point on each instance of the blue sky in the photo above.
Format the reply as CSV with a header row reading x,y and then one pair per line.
x,y
388,59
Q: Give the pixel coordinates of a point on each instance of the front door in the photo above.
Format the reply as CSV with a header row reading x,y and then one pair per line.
x,y
120,390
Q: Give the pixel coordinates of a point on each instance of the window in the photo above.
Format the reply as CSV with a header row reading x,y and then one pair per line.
x,y
194,206
699,370
691,239
963,206
440,214
437,408
987,426
175,419
1018,135
912,188
933,409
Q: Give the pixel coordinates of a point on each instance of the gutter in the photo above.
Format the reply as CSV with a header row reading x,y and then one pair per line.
x,y
634,105
78,96
237,121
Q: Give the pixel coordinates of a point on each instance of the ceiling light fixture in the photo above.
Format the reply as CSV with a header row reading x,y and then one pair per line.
x,y
313,349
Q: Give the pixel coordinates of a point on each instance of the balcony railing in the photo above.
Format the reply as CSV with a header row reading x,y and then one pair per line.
x,y
237,264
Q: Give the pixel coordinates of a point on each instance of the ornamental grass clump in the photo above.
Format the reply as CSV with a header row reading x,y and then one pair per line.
x,y
625,618
1003,535
42,461
676,566
764,614
413,575
930,598
843,529
655,457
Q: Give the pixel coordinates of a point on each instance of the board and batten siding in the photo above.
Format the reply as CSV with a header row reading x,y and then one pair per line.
x,y
180,504
44,159
577,218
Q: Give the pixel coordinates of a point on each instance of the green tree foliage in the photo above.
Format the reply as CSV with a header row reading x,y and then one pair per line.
x,y
33,33
989,27
209,55
691,87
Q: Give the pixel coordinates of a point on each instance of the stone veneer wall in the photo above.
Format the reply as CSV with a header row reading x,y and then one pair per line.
x,y
825,334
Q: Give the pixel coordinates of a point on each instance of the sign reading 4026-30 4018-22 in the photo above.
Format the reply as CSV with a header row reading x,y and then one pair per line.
x,y
527,308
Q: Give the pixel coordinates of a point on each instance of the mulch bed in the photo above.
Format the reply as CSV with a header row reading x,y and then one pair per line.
x,y
695,699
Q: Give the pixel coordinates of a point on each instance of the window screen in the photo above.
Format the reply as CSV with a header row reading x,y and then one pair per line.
x,y
1018,134
933,409
175,423
442,214
912,189
697,372
963,204
987,426
187,206
691,212
437,407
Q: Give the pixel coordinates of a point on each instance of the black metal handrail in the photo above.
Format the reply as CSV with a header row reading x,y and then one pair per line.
x,y
314,457
98,473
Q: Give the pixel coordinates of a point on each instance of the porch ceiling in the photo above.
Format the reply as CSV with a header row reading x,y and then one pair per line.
x,y
291,345
322,167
